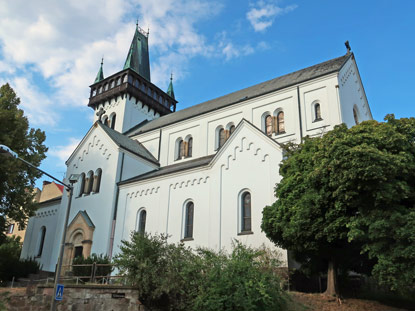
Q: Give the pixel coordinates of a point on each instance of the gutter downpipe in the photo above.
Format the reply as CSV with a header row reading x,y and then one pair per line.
x,y
299,113
114,218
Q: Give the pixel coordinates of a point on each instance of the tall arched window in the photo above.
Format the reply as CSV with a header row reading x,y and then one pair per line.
x,y
280,122
81,184
142,222
113,121
89,182
246,212
189,147
42,235
317,112
232,129
355,115
268,125
188,222
179,149
221,137
97,180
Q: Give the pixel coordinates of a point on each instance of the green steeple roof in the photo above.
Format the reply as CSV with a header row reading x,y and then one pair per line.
x,y
138,58
170,90
100,74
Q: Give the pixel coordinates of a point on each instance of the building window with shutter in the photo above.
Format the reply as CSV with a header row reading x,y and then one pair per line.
x,y
188,221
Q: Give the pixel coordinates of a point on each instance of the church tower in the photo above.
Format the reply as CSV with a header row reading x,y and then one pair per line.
x,y
128,97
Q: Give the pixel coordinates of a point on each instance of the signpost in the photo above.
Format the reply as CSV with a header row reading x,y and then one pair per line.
x,y
59,292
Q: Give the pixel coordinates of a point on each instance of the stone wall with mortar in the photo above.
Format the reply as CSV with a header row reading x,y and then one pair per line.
x,y
75,298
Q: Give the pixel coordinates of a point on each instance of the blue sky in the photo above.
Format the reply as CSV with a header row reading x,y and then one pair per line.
x,y
50,52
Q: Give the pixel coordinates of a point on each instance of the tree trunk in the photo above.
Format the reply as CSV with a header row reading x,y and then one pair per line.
x,y
332,289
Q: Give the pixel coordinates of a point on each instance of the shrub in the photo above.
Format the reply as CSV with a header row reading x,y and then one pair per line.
x,y
10,263
173,277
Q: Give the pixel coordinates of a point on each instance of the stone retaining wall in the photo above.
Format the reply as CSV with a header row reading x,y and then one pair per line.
x,y
75,298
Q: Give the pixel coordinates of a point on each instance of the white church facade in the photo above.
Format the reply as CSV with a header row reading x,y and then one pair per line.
x,y
201,175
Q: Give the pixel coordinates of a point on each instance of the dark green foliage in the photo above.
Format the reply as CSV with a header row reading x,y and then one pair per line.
x,y
87,270
173,277
10,263
244,280
349,195
16,178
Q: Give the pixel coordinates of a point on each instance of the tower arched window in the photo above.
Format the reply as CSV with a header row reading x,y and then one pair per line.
x,y
97,180
142,217
317,112
246,212
188,222
42,235
113,120
89,182
81,184
268,125
189,147
280,123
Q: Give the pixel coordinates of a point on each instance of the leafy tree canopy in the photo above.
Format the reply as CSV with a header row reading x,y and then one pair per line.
x,y
351,194
16,178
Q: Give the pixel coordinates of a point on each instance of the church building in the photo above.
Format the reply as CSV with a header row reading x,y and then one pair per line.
x,y
201,175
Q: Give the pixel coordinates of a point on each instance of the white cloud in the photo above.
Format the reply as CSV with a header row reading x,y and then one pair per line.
x,y
62,42
63,152
263,13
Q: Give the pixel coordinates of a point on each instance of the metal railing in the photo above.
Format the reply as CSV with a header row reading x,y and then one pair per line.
x,y
91,274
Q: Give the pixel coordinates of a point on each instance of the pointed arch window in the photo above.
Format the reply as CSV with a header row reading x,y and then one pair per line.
x,y
42,236
142,221
280,123
317,112
97,180
246,212
188,223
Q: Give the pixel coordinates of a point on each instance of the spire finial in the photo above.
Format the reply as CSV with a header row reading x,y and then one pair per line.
x,y
136,24
347,44
171,76
102,60
148,31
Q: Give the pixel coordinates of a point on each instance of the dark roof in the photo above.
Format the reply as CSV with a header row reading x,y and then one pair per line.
x,y
170,169
129,144
290,79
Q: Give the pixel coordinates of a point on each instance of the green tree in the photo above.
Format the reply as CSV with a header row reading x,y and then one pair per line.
x,y
16,178
347,196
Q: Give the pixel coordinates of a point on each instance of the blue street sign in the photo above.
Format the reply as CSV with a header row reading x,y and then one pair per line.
x,y
59,292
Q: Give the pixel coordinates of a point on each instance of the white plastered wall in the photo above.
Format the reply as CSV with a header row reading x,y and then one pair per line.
x,y
249,160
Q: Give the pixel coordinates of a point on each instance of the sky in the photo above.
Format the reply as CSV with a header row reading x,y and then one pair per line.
x,y
50,52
